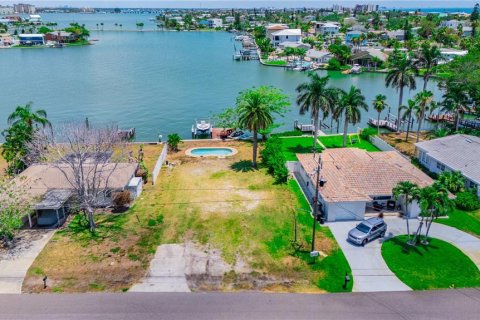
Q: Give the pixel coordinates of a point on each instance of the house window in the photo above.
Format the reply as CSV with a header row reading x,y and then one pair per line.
x,y
286,37
440,166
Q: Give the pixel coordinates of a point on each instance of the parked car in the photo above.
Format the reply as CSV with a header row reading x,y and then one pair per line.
x,y
367,230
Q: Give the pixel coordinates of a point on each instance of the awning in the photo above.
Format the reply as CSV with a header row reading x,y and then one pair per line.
x,y
54,200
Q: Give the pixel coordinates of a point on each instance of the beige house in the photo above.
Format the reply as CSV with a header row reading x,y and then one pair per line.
x,y
52,188
357,180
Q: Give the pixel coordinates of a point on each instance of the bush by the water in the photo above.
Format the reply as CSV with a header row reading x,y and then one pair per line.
x,y
274,160
467,200
367,132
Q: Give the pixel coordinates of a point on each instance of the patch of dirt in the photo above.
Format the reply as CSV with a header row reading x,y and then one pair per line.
x,y
21,242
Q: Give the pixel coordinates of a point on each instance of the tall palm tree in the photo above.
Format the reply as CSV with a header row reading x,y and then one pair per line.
x,y
454,101
26,116
429,58
408,111
409,192
423,101
350,104
379,104
315,97
401,76
254,115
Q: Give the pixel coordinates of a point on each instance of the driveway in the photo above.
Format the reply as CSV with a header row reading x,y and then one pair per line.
x,y
14,263
369,270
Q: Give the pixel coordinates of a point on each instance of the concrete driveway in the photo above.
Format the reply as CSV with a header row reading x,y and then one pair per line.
x,y
369,270
15,263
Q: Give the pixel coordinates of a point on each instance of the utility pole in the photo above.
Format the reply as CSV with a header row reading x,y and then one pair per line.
x,y
315,201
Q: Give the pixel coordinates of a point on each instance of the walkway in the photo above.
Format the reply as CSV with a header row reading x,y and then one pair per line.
x,y
15,263
419,305
167,271
369,270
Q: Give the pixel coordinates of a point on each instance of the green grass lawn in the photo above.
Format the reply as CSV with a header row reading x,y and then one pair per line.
x,y
291,146
438,265
276,63
352,141
335,265
468,221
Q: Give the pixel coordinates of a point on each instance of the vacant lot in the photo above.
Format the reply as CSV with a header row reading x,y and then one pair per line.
x,y
212,204
398,141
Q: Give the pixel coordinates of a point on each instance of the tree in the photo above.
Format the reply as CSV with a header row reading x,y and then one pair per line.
x,y
256,110
23,123
454,100
433,202
429,58
350,104
453,181
379,104
401,75
85,156
13,207
474,18
409,192
408,111
423,102
173,140
315,97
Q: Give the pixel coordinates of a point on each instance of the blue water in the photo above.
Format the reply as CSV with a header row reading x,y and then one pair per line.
x,y
157,82
211,152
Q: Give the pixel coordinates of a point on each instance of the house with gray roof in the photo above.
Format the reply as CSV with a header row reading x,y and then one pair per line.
x,y
459,152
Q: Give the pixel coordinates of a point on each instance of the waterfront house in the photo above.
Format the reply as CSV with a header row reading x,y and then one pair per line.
x,y
349,36
459,152
297,45
214,23
450,54
52,192
287,35
327,28
61,37
27,39
272,28
319,56
369,57
6,40
35,19
356,181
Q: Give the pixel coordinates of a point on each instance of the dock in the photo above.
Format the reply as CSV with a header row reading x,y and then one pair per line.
x,y
390,125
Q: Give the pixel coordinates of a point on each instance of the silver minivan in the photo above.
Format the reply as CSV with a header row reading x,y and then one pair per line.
x,y
367,230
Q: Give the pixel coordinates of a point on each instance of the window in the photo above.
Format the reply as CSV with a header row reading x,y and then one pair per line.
x,y
440,166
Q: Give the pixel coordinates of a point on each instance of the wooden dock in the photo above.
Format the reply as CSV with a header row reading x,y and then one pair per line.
x,y
390,125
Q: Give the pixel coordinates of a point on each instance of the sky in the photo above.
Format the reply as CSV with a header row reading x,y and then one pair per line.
x,y
244,3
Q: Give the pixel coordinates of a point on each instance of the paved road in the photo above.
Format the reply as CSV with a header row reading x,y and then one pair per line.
x,y
439,304
369,270
15,263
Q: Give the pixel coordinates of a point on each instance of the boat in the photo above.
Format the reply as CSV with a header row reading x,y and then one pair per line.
x,y
356,69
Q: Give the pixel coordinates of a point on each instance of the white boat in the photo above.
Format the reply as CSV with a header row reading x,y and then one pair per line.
x,y
356,69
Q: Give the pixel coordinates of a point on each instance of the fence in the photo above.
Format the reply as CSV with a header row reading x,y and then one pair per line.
x,y
159,164
380,144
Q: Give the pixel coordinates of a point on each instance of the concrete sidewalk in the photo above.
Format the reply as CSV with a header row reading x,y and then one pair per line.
x,y
167,271
15,263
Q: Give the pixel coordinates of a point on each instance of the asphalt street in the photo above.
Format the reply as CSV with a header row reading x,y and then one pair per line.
x,y
437,304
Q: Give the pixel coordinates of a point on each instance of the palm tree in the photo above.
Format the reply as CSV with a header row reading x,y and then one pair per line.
x,y
434,201
26,116
401,75
409,192
254,115
423,101
454,101
379,104
350,105
316,98
429,58
453,181
409,109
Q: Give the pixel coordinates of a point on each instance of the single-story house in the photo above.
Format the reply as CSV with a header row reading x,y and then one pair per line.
x,y
367,57
51,190
299,45
356,180
317,56
459,152
287,35
396,35
450,54
27,39
6,40
61,36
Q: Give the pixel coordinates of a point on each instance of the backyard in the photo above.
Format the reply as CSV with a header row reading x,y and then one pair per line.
x,y
353,141
433,266
207,203
397,140
294,145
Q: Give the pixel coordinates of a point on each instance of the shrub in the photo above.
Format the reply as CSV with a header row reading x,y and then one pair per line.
x,y
173,140
121,199
334,64
274,159
467,200
143,172
367,132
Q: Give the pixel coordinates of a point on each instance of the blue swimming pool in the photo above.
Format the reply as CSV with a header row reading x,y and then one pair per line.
x,y
205,152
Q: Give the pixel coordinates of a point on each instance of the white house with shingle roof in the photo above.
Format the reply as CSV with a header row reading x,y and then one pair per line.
x,y
356,179
459,152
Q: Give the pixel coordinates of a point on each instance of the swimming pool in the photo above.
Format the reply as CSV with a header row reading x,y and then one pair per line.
x,y
211,152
